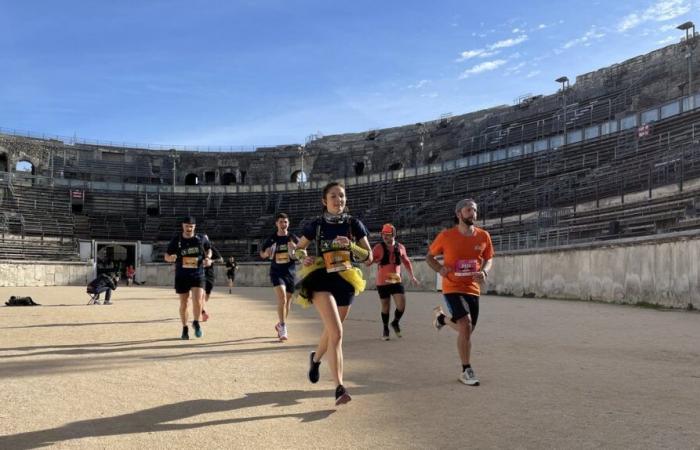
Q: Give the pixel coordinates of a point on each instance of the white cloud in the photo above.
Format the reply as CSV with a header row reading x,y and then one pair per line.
x,y
419,85
430,95
514,69
667,27
470,54
509,42
541,26
492,49
515,30
483,67
586,39
667,40
479,52
660,11
533,73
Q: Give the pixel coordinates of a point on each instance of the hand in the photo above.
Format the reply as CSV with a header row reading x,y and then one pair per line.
x,y
171,258
342,240
309,260
444,271
480,276
207,262
415,281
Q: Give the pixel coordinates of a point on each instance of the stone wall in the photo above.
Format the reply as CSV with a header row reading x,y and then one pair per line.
x,y
663,272
640,271
31,273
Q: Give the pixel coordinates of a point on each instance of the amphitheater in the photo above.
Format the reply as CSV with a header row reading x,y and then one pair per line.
x,y
591,193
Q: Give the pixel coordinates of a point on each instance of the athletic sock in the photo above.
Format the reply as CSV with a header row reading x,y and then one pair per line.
x,y
441,319
385,319
397,315
466,366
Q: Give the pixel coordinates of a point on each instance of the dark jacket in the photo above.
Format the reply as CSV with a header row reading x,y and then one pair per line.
x,y
102,281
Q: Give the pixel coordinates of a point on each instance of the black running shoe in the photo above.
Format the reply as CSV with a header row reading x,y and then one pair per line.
x,y
185,333
313,368
385,334
341,395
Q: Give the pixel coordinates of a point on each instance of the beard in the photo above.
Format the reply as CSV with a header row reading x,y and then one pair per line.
x,y
468,221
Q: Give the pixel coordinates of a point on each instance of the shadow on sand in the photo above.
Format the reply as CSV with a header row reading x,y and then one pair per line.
x,y
160,418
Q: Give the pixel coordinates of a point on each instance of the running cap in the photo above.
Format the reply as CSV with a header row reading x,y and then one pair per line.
x,y
189,219
462,203
388,228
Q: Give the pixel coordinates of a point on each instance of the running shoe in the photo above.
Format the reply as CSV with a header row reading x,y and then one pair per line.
x,y
107,302
185,333
313,368
341,395
385,334
397,328
468,377
197,330
283,332
437,312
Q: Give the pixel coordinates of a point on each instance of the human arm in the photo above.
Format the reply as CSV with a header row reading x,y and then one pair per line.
x,y
436,266
409,266
300,252
485,269
266,249
171,253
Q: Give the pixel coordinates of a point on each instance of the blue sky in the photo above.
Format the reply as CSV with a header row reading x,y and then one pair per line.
x,y
272,72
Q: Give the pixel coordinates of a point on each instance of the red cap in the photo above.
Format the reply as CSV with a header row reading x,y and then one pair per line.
x,y
388,228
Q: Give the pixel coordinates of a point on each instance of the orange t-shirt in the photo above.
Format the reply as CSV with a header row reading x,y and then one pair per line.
x,y
463,255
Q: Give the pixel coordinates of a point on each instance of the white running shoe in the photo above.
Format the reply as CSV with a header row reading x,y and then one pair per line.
x,y
437,312
468,377
282,332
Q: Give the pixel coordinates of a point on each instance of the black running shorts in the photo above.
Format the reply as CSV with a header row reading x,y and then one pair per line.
x,y
286,280
387,290
461,305
184,284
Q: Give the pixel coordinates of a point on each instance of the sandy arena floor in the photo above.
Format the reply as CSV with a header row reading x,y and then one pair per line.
x,y
554,374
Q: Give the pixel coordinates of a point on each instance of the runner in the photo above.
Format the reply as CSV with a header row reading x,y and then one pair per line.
x,y
210,278
329,280
389,254
467,253
231,269
279,247
191,253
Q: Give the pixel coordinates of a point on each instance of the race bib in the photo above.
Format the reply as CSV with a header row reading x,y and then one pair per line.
x,y
393,278
337,261
282,258
190,262
466,267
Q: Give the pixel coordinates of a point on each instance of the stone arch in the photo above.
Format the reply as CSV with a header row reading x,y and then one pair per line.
x,y
396,166
299,176
191,179
24,165
228,178
359,168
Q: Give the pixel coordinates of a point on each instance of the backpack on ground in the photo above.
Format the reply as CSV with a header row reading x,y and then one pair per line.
x,y
21,301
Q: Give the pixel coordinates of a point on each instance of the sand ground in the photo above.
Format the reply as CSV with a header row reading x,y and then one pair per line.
x,y
554,374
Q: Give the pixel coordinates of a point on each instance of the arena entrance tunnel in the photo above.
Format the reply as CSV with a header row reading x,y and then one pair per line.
x,y
111,257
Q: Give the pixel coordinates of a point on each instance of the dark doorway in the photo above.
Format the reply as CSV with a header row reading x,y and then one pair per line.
x,y
228,179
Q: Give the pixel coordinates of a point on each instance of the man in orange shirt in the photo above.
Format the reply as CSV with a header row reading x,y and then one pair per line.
x,y
467,252
389,254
